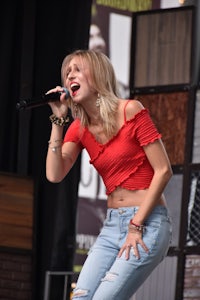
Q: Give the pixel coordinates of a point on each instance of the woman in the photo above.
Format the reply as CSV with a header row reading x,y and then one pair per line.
x,y
126,149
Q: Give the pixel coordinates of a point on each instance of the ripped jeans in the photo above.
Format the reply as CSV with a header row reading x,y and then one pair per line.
x,y
104,276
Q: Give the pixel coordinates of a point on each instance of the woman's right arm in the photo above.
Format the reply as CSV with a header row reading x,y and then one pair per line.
x,y
60,156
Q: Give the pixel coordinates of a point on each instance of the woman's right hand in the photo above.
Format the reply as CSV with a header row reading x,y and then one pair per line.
x,y
59,108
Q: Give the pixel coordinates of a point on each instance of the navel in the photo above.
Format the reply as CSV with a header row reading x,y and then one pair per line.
x,y
121,199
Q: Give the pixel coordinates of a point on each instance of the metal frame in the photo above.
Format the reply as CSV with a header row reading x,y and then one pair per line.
x,y
47,285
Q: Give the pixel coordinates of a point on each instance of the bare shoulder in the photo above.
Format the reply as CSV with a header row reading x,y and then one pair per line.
x,y
131,108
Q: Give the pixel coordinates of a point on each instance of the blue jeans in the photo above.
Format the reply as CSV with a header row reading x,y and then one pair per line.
x,y
104,276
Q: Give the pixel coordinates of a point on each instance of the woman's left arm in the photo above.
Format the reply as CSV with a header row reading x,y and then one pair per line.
x,y
160,163
162,173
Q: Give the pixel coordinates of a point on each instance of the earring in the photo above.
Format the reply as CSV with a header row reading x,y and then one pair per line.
x,y
98,101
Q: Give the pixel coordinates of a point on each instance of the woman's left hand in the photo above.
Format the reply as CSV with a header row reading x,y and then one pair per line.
x,y
131,244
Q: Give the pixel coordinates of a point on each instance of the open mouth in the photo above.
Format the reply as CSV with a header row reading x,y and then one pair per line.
x,y
74,87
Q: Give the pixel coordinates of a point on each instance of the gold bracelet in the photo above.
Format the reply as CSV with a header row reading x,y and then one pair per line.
x,y
59,121
55,141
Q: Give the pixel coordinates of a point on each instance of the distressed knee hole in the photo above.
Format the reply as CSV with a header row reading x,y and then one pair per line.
x,y
80,293
110,276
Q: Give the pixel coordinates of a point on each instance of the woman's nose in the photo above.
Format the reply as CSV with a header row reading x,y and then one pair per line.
x,y
71,76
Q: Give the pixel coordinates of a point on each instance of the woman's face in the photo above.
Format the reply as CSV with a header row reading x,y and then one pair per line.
x,y
78,80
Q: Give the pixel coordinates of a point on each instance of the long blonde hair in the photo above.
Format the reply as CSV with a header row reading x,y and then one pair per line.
x,y
103,81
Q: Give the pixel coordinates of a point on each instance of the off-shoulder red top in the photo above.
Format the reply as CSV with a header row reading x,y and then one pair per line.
x,y
121,162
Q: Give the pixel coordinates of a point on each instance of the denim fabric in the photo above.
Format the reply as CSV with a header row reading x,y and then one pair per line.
x,y
106,277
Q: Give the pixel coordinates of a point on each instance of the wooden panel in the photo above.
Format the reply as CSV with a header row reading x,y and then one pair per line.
x,y
169,112
163,48
16,211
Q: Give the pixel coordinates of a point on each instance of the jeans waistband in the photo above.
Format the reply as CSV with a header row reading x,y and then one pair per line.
x,y
160,209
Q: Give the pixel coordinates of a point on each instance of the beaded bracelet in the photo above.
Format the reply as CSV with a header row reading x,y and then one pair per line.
x,y
59,121
137,227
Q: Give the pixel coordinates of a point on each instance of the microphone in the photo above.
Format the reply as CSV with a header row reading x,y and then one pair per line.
x,y
39,101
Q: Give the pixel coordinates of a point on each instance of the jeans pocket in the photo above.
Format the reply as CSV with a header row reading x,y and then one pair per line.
x,y
157,236
151,233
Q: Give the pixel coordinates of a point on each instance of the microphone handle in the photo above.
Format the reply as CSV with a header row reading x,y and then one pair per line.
x,y
36,102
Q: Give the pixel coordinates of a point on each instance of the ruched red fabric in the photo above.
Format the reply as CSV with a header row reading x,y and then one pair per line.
x,y
121,162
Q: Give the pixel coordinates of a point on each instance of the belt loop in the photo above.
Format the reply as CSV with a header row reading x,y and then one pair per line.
x,y
134,210
109,211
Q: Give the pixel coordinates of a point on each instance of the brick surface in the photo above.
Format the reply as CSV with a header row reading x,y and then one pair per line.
x,y
192,278
15,276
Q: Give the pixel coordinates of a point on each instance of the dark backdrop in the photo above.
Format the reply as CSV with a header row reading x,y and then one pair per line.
x,y
35,36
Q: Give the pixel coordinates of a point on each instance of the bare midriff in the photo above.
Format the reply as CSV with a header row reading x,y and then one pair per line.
x,y
126,198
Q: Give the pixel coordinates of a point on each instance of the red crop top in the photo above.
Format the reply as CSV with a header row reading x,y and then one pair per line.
x,y
122,160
